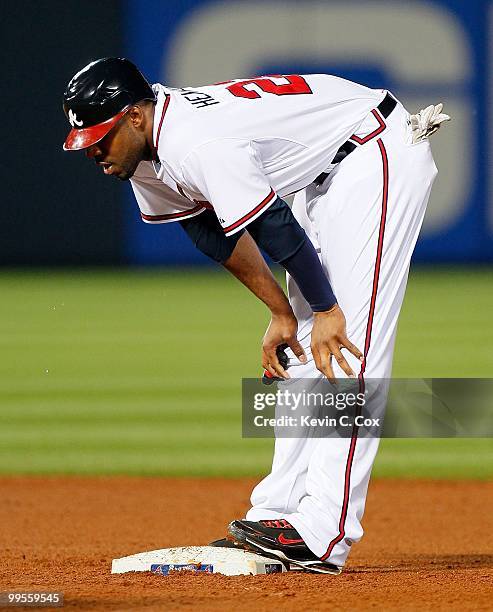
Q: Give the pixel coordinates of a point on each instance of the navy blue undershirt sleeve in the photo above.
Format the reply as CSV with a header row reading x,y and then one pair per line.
x,y
277,232
207,235
305,268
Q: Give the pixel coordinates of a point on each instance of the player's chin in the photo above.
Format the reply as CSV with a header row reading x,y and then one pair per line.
x,y
124,175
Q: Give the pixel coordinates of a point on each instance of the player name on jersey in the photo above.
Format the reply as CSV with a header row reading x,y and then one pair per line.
x,y
199,99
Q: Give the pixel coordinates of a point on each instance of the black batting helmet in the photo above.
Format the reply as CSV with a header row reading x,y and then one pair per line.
x,y
98,96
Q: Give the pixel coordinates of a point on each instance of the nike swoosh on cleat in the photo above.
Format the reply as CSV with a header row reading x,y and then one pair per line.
x,y
283,540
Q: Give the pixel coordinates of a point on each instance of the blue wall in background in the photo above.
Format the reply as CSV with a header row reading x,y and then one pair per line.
x,y
160,33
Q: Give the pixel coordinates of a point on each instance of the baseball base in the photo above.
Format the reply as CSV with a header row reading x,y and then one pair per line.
x,y
210,559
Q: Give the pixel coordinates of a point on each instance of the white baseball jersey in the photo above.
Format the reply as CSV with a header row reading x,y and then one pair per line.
x,y
232,147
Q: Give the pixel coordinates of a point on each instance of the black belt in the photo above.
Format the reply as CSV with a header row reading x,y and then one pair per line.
x,y
385,107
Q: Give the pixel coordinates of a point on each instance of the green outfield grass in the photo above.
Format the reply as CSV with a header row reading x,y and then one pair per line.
x,y
139,372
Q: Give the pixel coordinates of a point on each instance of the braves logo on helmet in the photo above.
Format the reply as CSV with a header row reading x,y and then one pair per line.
x,y
72,117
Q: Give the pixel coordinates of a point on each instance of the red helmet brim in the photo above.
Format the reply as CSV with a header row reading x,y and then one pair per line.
x,y
82,138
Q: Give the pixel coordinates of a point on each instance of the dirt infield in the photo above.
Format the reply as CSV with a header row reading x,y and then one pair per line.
x,y
429,545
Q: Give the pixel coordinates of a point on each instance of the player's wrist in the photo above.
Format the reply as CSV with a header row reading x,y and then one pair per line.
x,y
320,314
282,311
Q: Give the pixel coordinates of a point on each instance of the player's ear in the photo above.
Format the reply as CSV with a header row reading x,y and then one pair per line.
x,y
136,116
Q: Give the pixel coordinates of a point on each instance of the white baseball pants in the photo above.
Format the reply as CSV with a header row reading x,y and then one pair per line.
x,y
364,220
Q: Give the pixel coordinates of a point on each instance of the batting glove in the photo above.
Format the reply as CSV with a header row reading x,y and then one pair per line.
x,y
426,122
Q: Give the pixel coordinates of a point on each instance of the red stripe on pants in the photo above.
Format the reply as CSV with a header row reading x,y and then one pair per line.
x,y
369,325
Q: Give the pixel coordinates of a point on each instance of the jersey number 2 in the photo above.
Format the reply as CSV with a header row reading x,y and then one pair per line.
x,y
296,84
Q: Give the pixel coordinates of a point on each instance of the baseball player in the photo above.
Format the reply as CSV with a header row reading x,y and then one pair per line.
x,y
219,159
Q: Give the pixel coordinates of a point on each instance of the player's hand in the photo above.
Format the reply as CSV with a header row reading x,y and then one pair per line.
x,y
282,330
328,337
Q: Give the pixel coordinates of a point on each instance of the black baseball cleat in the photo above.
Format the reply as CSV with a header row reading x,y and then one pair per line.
x,y
280,540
